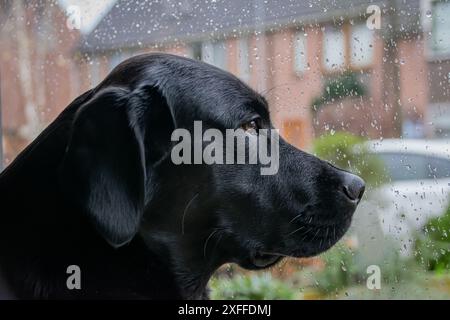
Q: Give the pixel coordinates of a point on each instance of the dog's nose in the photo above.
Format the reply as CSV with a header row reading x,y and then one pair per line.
x,y
353,186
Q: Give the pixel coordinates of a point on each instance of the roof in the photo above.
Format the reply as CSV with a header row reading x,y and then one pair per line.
x,y
138,23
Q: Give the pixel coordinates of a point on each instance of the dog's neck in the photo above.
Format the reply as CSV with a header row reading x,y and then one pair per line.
x,y
182,231
187,260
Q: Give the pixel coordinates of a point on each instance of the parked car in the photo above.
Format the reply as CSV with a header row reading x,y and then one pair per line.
x,y
417,188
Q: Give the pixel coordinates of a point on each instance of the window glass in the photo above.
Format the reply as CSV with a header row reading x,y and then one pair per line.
x,y
301,62
333,76
244,63
441,29
94,68
195,51
333,48
117,58
361,45
214,52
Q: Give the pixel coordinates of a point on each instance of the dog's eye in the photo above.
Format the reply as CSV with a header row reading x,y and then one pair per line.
x,y
251,127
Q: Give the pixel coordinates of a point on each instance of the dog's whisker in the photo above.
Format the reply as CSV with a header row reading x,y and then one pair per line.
x,y
218,240
315,235
185,212
220,236
309,230
334,236
304,237
207,240
295,218
276,254
295,231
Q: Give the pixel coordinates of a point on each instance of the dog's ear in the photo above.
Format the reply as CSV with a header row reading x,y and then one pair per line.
x,y
104,166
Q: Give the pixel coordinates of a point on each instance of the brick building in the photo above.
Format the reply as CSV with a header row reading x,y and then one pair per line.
x,y
288,50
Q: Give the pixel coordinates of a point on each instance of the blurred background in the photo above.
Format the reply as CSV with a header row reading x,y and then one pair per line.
x,y
364,84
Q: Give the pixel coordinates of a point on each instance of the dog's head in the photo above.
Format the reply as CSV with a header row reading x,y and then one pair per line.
x,y
119,167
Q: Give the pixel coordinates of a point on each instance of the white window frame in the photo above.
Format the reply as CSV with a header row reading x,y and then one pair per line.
x,y
192,48
210,50
360,59
94,71
300,53
434,40
331,35
243,59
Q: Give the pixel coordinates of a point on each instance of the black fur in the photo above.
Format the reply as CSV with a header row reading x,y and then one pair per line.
x,y
98,189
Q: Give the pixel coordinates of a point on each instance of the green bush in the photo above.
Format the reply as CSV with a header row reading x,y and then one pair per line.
x,y
345,268
340,270
346,85
250,287
433,246
347,151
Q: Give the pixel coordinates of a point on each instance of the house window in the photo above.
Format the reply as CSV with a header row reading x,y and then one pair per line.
x,y
441,27
214,52
347,47
300,62
94,70
439,116
195,51
117,58
333,48
361,46
243,61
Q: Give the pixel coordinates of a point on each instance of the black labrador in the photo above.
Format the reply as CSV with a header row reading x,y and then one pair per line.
x,y
98,190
